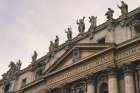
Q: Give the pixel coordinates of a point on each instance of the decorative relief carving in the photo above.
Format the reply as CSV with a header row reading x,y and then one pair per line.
x,y
78,70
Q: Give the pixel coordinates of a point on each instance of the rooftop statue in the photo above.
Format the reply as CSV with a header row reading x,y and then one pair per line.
x,y
109,14
13,71
34,57
12,66
56,43
18,64
69,33
51,47
81,25
93,22
123,8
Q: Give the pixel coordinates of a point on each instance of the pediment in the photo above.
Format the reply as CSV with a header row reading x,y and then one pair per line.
x,y
76,53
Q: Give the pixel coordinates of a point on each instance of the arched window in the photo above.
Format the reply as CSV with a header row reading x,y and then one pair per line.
x,y
104,88
7,88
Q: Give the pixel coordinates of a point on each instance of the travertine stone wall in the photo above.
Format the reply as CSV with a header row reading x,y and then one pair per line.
x,y
118,35
28,75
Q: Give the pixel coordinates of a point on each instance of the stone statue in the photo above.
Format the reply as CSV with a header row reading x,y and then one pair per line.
x,y
56,43
12,72
109,14
92,21
69,33
51,47
81,25
123,8
34,57
18,64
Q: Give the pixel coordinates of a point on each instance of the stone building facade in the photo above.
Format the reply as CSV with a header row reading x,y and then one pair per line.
x,y
104,59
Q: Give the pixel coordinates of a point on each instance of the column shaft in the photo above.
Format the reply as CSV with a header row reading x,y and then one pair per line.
x,y
90,88
129,83
113,84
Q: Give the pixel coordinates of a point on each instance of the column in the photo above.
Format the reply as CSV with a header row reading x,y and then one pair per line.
x,y
138,77
129,80
91,85
65,88
113,81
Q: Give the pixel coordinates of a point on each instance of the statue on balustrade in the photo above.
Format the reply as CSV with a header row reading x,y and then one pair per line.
x,y
56,43
123,8
93,22
34,57
51,47
18,64
81,25
12,72
69,33
109,14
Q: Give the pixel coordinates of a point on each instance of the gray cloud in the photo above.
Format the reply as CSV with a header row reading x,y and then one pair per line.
x,y
27,25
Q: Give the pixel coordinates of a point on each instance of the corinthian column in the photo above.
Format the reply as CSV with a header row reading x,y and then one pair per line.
x,y
112,81
129,80
91,85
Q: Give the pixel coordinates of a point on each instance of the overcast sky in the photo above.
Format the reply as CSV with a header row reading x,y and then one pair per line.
x,y
28,25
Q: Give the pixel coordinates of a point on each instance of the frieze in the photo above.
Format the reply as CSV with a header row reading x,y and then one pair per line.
x,y
128,52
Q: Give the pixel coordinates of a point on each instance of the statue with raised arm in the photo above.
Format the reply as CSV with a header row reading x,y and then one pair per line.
x,y
123,8
34,57
69,33
56,43
109,14
81,25
93,22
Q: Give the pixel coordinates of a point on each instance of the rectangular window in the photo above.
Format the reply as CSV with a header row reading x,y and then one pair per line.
x,y
101,41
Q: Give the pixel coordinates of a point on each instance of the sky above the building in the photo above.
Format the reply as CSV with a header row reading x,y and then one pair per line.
x,y
28,25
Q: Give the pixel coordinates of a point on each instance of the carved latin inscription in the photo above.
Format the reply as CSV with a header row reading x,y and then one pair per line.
x,y
128,52
62,76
